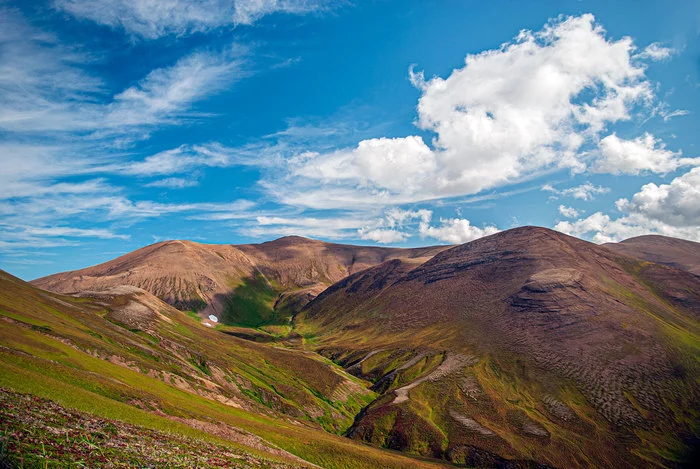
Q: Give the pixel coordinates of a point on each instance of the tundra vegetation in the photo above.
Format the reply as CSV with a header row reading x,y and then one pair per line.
x,y
527,348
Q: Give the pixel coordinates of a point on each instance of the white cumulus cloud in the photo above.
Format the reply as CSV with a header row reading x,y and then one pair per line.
x,y
536,104
382,236
667,209
392,227
677,203
568,212
602,228
398,164
455,231
644,153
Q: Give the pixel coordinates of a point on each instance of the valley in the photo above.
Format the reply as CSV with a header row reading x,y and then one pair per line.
x,y
527,348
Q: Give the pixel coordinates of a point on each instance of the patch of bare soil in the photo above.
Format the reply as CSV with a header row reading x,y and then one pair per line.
x,y
471,424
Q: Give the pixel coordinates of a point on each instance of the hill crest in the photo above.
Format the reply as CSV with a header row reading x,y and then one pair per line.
x,y
271,280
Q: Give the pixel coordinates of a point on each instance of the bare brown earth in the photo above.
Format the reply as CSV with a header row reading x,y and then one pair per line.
x,y
583,357
678,253
191,275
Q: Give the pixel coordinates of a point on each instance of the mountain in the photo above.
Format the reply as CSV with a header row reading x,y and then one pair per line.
x,y
250,285
525,345
527,348
120,376
674,252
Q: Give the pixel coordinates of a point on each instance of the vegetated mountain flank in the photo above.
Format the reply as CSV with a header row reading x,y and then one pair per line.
x,y
46,434
82,376
526,348
250,285
524,345
678,253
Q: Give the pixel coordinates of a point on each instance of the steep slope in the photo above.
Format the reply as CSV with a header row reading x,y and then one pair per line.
x,y
127,362
250,285
525,345
678,253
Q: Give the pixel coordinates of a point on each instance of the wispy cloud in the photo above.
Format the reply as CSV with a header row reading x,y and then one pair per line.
x,y
38,221
329,227
657,52
151,19
174,183
675,113
62,133
69,232
165,94
14,236
586,191
43,84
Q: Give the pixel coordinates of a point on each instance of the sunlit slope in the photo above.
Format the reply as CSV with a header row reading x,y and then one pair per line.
x,y
525,345
126,356
250,285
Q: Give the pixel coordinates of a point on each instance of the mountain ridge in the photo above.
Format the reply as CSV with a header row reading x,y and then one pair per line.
x,y
205,277
674,252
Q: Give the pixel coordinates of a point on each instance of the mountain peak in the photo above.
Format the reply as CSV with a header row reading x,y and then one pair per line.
x,y
292,239
673,252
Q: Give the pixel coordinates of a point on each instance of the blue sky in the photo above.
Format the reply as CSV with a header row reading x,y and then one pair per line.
x,y
402,123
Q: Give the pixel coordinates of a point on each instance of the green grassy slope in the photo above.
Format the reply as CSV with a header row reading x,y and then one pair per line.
x,y
129,358
252,304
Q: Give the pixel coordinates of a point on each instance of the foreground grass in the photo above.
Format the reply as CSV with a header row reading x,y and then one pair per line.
x,y
71,352
36,432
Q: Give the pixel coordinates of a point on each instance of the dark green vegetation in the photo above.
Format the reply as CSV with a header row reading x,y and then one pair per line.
x,y
528,348
125,356
252,304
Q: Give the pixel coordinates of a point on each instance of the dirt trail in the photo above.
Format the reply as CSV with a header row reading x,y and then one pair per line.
x,y
452,363
358,365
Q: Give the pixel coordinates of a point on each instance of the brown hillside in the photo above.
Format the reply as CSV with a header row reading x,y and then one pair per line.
x,y
286,272
678,253
520,344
